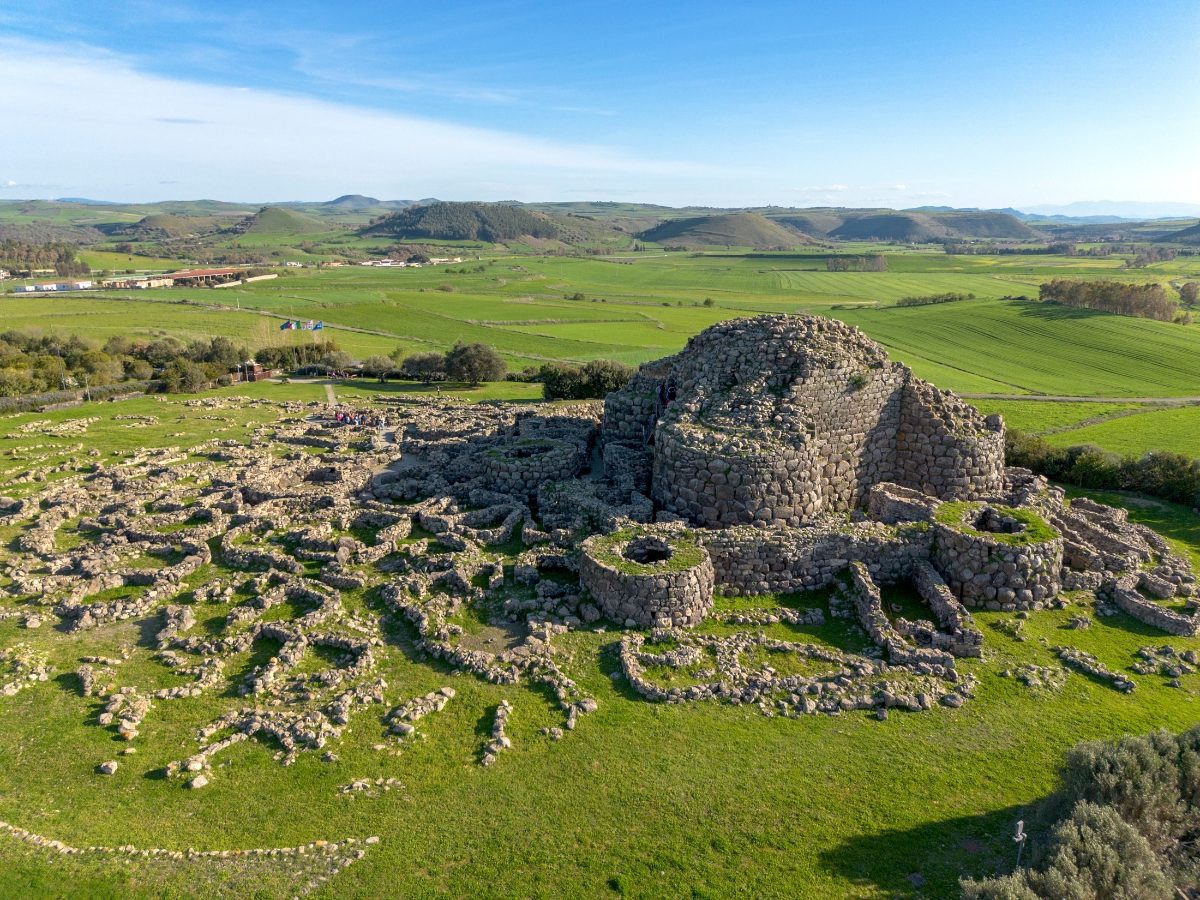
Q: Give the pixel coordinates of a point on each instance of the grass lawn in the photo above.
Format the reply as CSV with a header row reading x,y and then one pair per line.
x,y
641,799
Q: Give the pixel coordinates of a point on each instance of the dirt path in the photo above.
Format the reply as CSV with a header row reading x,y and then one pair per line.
x,y
330,396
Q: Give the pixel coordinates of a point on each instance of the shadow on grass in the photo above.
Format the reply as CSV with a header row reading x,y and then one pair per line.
x,y
929,860
609,657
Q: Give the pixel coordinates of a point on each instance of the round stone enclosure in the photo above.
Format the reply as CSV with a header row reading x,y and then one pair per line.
x,y
648,577
998,557
521,466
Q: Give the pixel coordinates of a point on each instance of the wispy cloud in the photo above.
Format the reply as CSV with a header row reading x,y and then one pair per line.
x,y
265,144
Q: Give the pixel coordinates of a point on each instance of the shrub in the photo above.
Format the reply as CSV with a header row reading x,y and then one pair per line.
x,y
1170,476
475,363
425,367
182,376
1092,854
595,379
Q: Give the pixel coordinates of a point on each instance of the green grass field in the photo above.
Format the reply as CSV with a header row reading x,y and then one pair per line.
x,y
641,306
644,306
641,800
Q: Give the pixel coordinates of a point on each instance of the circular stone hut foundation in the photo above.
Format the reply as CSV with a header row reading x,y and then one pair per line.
x,y
648,577
520,467
996,556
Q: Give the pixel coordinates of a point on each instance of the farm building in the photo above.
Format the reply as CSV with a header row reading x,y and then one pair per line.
x,y
205,277
139,282
52,287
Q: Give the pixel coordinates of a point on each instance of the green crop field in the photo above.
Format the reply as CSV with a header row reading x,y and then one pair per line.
x,y
646,306
642,799
1176,429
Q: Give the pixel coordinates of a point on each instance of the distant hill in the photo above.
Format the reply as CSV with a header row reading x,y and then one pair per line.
x,y
165,226
276,220
1124,209
492,222
925,227
354,202
741,229
1186,236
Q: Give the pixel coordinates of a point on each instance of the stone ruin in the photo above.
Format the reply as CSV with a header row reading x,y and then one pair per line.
x,y
779,420
775,455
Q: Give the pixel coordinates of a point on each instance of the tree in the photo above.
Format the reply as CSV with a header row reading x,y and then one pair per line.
x,y
475,364
180,375
378,366
1189,293
337,361
424,367
596,379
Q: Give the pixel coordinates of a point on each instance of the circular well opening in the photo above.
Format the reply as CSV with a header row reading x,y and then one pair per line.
x,y
647,550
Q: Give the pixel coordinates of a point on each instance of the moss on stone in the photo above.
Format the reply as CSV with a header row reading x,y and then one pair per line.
x,y
954,514
686,552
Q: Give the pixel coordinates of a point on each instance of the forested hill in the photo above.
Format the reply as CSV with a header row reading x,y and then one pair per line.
x,y
466,222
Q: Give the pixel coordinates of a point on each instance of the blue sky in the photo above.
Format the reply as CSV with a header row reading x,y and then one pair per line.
x,y
854,103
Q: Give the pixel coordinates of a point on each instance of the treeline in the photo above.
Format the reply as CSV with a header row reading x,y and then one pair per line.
x,y
291,357
472,363
18,256
45,233
1168,476
476,363
874,263
40,364
1122,825
931,299
1058,248
1147,301
1147,256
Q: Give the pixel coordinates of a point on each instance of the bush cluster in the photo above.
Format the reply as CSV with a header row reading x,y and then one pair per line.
x,y
875,263
1159,473
1123,824
930,299
593,380
472,363
295,356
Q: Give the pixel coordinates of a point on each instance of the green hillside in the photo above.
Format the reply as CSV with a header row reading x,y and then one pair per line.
x,y
1186,236
918,228
166,226
729,230
492,222
276,220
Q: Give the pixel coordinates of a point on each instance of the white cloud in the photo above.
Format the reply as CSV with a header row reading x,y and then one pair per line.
x,y
90,118
899,187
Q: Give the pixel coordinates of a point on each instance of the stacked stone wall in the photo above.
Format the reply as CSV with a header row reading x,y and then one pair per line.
x,y
945,448
958,635
983,569
754,561
1125,595
651,595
